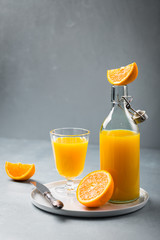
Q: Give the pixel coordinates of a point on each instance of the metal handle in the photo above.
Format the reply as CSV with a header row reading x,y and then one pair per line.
x,y
138,116
56,203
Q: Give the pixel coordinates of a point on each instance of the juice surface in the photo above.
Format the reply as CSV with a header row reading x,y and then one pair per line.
x,y
70,154
120,155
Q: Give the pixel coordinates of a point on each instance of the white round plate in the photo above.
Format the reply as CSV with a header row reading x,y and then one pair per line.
x,y
73,208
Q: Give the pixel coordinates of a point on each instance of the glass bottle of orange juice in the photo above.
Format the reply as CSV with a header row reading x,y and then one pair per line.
x,y
120,148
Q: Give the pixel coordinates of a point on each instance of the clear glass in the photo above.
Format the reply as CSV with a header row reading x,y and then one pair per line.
x,y
120,148
69,148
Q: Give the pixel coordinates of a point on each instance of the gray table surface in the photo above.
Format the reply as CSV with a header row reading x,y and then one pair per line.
x,y
19,219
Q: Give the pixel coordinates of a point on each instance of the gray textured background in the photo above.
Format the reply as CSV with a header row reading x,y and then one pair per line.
x,y
53,61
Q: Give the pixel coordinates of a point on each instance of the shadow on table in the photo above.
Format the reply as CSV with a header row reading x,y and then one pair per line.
x,y
150,209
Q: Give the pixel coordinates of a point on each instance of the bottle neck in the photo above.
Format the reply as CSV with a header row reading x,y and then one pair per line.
x,y
117,92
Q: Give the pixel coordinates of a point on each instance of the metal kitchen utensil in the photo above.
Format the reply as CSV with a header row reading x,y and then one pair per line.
x,y
46,193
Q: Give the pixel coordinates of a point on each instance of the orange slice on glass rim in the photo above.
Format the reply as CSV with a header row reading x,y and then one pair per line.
x,y
123,75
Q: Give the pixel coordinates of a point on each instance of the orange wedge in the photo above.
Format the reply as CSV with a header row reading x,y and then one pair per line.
x,y
123,75
95,189
19,171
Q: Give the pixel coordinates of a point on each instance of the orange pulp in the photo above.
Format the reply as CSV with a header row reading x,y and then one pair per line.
x,y
19,171
95,189
70,154
120,155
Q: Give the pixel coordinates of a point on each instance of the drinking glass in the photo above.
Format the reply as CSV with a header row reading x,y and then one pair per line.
x,y
69,149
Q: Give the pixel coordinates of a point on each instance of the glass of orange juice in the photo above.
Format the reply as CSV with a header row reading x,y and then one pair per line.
x,y
69,148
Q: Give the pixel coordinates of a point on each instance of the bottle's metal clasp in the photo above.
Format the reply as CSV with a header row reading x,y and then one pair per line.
x,y
138,116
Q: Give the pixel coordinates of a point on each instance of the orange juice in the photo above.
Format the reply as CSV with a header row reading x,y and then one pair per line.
x,y
70,154
119,154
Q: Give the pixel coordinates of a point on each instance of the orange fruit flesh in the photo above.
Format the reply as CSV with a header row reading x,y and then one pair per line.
x,y
123,75
93,186
19,171
95,189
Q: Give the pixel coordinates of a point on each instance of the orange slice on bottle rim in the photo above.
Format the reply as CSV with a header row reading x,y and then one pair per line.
x,y
123,75
95,189
19,171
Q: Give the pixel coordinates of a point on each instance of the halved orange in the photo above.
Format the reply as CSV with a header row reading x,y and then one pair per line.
x,y
95,189
19,171
123,75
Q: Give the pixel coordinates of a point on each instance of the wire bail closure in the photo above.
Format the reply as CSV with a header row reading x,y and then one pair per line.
x,y
138,116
